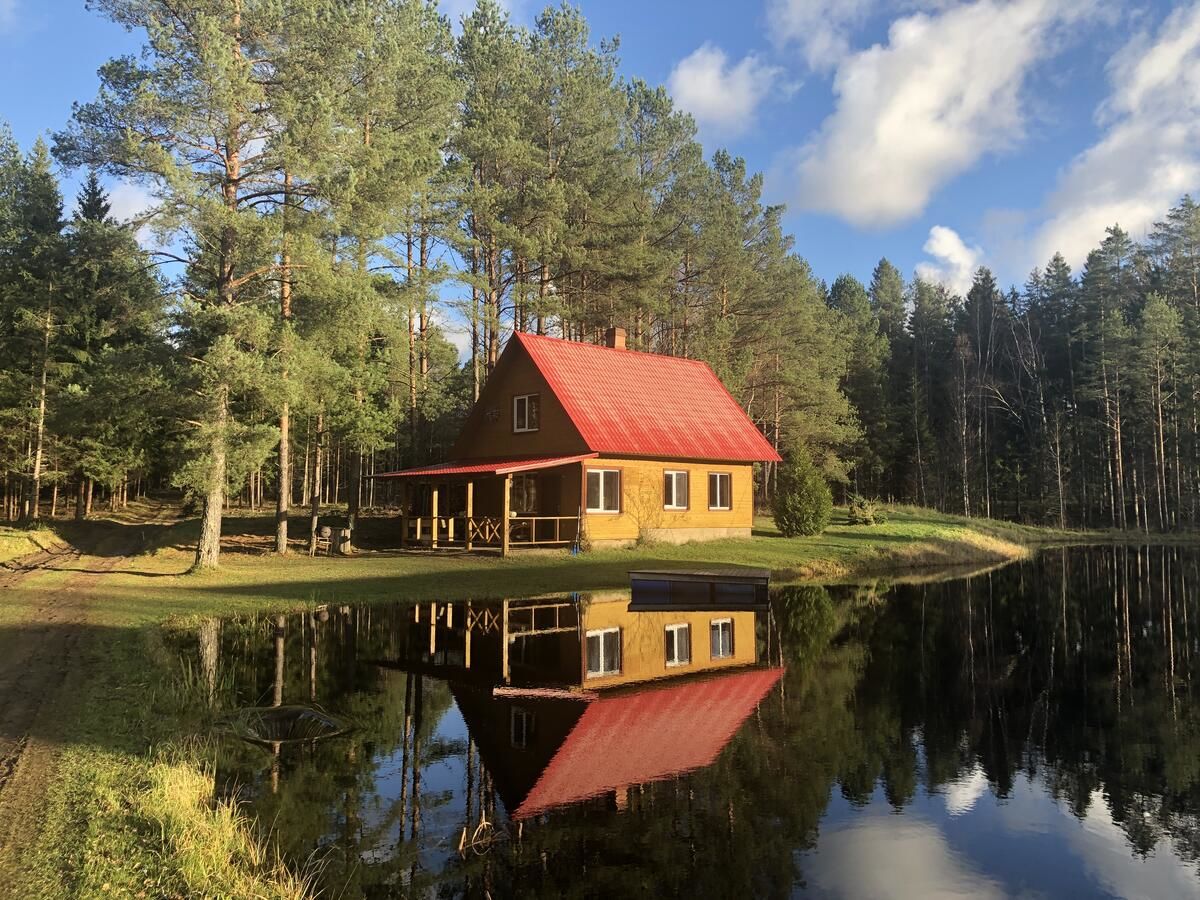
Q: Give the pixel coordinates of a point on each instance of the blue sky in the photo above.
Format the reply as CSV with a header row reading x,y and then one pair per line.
x,y
941,134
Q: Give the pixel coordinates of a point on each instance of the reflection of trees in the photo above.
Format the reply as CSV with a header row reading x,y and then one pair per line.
x,y
1075,668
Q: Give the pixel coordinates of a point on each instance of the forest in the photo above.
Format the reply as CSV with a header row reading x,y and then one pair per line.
x,y
355,205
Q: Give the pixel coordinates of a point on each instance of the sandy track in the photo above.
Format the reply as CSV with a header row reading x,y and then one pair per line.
x,y
43,660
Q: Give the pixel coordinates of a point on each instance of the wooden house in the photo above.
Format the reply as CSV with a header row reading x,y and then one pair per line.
x,y
572,442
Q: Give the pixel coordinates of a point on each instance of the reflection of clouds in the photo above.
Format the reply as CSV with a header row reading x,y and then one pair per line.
x,y
963,793
884,856
1105,850
1099,844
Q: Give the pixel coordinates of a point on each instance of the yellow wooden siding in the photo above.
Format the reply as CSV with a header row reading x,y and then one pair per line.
x,y
642,499
643,644
488,432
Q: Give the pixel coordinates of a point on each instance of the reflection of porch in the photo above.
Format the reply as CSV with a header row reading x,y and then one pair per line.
x,y
501,503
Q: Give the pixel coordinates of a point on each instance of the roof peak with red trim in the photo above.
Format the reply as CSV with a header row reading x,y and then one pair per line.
x,y
632,403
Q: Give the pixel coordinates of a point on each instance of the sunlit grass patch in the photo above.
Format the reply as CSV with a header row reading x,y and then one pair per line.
x,y
18,542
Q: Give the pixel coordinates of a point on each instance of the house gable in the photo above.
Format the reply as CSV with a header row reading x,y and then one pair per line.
x,y
488,431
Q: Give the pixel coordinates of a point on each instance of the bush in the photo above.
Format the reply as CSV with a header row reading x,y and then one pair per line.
x,y
865,512
803,502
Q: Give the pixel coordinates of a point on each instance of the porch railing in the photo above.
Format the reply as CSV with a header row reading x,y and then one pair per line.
x,y
486,531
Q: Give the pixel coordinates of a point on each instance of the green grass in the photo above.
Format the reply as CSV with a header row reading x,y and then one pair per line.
x,y
156,588
130,811
16,542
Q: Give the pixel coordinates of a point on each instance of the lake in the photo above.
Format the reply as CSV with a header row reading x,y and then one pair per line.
x,y
1030,731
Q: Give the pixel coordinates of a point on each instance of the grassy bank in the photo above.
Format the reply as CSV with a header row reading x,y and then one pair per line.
x,y
18,542
153,587
129,810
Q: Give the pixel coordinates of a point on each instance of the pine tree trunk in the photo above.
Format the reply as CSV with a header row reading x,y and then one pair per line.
x,y
33,507
315,485
284,493
208,549
81,499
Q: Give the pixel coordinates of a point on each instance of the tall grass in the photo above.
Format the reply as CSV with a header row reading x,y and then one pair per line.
x,y
210,843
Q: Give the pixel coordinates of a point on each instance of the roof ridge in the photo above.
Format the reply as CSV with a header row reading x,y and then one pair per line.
x,y
571,343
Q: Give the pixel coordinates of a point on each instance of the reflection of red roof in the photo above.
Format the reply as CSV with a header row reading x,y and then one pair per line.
x,y
488,466
646,404
647,736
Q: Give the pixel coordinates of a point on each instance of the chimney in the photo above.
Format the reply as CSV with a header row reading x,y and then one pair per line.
x,y
615,338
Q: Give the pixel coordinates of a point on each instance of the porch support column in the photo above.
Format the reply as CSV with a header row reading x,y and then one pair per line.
x,y
433,530
470,511
467,639
403,513
504,662
505,526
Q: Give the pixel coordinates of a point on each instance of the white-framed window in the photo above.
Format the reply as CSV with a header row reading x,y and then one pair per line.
x,y
604,490
720,635
675,490
527,409
678,640
521,727
719,495
603,652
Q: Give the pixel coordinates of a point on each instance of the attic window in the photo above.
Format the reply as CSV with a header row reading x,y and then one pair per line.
x,y
526,412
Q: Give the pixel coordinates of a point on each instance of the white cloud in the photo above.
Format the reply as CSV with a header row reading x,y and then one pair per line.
x,y
909,858
821,28
129,201
8,15
954,262
923,108
721,96
1149,153
964,792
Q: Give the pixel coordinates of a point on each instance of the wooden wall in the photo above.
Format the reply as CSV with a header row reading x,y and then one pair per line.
x,y
643,656
642,500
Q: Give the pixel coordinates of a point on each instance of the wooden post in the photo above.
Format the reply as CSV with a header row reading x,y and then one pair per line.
x,y
433,617
403,513
505,526
470,512
504,623
433,531
467,639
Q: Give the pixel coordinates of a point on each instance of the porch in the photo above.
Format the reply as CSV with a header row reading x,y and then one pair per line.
x,y
501,504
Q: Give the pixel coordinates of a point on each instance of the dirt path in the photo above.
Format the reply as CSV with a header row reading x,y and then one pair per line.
x,y
42,659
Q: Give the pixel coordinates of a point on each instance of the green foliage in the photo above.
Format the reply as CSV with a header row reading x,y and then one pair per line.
x,y
864,511
803,501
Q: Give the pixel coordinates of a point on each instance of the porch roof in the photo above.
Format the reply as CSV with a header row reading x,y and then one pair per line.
x,y
507,466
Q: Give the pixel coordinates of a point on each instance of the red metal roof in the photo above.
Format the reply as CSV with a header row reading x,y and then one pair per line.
x,y
487,466
646,736
646,404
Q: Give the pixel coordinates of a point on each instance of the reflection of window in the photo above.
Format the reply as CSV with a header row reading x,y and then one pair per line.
x,y
720,634
526,412
521,722
603,490
604,652
675,490
524,494
679,645
718,490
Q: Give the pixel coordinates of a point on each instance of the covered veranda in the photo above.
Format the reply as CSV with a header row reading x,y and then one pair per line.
x,y
498,503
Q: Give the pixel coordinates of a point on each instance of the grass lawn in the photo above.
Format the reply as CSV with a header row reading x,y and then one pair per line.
x,y
16,542
153,587
128,809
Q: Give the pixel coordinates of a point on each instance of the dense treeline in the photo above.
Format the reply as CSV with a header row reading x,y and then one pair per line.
x,y
340,191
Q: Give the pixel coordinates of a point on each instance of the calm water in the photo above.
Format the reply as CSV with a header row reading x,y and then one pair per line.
x,y
1034,731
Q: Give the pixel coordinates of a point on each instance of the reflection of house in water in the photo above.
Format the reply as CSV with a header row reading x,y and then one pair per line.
x,y
570,698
